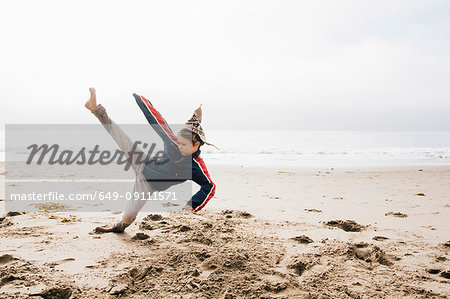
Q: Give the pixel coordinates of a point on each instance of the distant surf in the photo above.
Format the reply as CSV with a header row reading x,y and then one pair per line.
x,y
329,148
322,148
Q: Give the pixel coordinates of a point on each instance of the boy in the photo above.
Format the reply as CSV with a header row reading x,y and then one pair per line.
x,y
181,159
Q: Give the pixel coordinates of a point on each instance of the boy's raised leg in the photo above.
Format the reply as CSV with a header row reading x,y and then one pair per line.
x,y
126,145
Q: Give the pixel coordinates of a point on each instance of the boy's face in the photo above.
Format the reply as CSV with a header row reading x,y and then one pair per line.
x,y
185,146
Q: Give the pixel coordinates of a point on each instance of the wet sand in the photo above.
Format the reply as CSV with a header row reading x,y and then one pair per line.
x,y
268,233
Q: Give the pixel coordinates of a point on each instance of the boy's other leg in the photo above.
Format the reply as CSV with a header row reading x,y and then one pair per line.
x,y
141,187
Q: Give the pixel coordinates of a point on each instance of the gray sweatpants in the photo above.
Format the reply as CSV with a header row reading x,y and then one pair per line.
x,y
140,183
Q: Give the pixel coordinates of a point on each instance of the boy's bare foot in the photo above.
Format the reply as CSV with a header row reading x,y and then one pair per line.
x,y
103,229
91,104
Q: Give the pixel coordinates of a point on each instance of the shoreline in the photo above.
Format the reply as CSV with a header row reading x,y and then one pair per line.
x,y
337,169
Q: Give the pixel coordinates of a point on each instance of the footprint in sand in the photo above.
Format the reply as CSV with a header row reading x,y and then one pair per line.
x,y
396,214
6,258
441,259
380,238
12,214
55,292
5,222
445,274
433,271
302,239
57,263
370,254
313,210
69,259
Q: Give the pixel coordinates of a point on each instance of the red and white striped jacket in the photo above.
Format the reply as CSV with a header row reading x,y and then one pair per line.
x,y
173,168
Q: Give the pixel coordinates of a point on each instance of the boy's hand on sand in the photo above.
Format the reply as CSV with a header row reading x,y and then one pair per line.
x,y
188,208
91,104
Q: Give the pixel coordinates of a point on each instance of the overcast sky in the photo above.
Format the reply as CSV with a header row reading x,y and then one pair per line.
x,y
308,65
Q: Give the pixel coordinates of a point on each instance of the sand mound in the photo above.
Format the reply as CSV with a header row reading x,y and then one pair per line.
x,y
347,225
211,256
153,217
23,279
302,263
140,236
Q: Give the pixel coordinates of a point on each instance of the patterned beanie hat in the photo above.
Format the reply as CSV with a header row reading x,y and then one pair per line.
x,y
194,125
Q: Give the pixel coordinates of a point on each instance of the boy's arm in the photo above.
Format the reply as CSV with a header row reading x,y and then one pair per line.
x,y
207,190
156,120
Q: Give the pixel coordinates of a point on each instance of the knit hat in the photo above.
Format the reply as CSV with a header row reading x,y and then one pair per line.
x,y
194,125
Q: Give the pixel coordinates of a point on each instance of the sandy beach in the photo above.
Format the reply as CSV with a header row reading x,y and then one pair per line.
x,y
268,233
225,149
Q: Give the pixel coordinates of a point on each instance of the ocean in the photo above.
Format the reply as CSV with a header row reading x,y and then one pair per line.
x,y
311,149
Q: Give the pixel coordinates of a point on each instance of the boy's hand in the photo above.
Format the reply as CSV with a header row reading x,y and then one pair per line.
x,y
188,208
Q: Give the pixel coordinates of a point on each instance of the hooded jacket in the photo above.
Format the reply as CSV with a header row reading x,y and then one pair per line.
x,y
172,168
